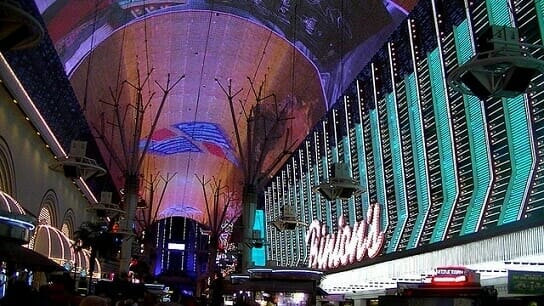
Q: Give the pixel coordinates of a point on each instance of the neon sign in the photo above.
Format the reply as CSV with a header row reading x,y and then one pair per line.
x,y
449,276
349,244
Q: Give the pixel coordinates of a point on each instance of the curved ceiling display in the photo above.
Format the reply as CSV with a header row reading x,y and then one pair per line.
x,y
179,59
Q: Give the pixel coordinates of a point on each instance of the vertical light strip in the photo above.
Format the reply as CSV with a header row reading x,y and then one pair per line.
x,y
540,15
315,169
519,133
363,171
522,149
398,172
325,163
499,12
335,159
420,161
294,186
378,155
305,205
480,153
398,159
282,202
309,204
448,156
418,143
334,148
347,158
448,161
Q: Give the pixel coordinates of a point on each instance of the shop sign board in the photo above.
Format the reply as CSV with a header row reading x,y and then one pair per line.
x,y
525,282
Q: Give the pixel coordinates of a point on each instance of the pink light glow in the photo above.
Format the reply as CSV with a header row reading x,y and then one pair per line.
x,y
348,245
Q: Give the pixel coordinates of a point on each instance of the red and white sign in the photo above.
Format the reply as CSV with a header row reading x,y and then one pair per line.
x,y
349,244
454,275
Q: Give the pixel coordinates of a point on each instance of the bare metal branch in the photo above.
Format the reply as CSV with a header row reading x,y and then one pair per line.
x,y
230,97
156,119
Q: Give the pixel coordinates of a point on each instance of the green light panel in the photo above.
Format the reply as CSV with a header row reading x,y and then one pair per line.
x,y
361,152
326,206
378,160
398,172
420,164
447,155
499,12
362,165
258,255
313,170
540,14
521,149
347,159
477,136
305,188
317,196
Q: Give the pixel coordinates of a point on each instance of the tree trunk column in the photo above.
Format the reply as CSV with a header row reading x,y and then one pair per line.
x,y
130,203
249,205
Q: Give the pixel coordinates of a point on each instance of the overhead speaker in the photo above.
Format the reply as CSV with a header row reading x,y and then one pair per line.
x,y
516,79
478,84
340,185
71,171
503,67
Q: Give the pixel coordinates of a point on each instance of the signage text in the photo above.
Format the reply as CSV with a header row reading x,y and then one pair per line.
x,y
349,244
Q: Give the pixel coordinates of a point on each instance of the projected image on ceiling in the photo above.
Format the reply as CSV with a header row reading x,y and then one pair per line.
x,y
195,137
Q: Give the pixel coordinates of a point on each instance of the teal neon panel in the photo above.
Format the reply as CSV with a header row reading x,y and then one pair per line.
x,y
258,255
479,153
328,213
316,182
539,4
378,163
463,42
499,12
398,172
422,181
362,165
347,152
521,146
347,160
445,146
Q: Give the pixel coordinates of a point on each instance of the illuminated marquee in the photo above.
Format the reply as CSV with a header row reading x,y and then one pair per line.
x,y
348,245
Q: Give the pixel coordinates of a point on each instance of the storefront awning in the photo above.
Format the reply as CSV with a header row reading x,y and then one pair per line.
x,y
11,252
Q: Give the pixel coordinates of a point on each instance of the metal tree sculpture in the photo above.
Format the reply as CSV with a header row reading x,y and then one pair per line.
x,y
98,238
126,126
266,128
219,201
148,208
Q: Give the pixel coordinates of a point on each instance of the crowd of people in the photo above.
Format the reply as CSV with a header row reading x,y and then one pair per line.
x,y
60,291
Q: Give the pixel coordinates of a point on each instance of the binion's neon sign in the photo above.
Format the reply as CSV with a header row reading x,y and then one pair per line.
x,y
349,244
